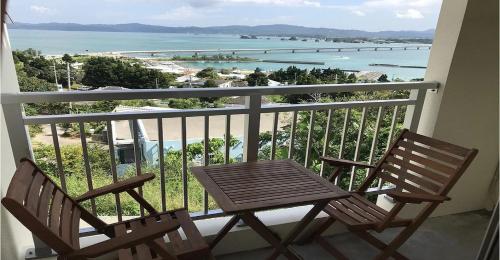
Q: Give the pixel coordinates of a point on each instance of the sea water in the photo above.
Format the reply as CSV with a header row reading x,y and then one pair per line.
x,y
73,42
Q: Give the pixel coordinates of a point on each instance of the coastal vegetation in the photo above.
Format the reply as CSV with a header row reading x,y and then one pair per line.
x,y
105,71
208,73
100,163
257,78
213,58
36,73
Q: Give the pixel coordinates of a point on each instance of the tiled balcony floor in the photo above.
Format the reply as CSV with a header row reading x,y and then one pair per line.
x,y
449,237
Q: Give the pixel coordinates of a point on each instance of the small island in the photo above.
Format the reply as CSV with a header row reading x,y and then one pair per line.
x,y
248,37
214,58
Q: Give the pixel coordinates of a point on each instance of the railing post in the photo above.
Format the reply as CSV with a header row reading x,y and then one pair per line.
x,y
252,128
21,148
413,113
41,250
18,132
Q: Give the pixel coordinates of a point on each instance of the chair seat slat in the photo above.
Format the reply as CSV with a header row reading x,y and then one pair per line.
x,y
126,253
441,145
55,212
419,170
160,240
358,210
45,201
193,235
431,153
20,183
344,218
424,161
75,227
34,193
420,180
365,210
143,251
174,236
400,183
366,203
66,221
354,215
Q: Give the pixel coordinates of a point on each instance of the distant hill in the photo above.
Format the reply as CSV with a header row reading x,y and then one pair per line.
x,y
281,30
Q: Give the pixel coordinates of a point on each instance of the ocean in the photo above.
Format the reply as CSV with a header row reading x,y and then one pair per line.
x,y
73,42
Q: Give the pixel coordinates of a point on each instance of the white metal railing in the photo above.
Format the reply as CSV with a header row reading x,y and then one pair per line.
x,y
17,122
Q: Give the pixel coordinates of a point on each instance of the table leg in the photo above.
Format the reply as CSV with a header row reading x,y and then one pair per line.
x,y
261,229
223,232
306,220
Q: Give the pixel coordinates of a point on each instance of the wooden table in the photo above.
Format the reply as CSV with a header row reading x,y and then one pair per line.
x,y
244,188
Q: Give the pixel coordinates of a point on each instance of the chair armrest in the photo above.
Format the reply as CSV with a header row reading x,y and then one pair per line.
x,y
117,187
345,163
143,235
416,198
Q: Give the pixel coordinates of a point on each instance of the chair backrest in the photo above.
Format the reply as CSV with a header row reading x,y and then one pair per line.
x,y
420,164
45,209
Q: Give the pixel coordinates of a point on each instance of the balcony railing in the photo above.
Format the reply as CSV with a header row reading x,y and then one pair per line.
x,y
252,111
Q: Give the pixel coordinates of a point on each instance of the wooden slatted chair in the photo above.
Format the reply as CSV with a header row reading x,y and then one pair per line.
x,y
54,217
420,170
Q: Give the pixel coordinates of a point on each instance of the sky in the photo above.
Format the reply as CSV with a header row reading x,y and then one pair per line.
x,y
369,15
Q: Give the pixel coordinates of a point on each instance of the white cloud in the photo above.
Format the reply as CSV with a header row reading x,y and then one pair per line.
x,y
41,9
178,14
425,3
358,12
200,8
401,3
409,14
204,3
269,20
405,9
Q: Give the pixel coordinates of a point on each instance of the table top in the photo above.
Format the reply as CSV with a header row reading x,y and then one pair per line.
x,y
264,185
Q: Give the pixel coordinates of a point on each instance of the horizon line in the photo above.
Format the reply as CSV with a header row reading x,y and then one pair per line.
x,y
195,26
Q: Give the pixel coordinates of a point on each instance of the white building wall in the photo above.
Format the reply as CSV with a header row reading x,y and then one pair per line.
x,y
465,109
15,237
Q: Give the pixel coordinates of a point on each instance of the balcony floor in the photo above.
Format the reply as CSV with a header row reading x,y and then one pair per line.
x,y
449,237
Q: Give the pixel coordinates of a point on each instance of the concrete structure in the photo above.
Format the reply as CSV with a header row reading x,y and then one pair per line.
x,y
464,59
460,235
16,239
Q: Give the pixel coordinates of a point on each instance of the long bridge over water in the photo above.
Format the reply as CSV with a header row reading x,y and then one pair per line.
x,y
277,50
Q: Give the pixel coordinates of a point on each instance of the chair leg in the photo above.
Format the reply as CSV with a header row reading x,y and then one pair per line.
x,y
397,242
329,248
378,244
160,250
317,232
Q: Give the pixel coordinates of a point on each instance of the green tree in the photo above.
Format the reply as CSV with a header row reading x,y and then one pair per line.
x,y
257,78
208,73
105,71
351,78
383,78
67,58
210,84
184,103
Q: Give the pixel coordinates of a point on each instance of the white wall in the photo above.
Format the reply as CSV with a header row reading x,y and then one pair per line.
x,y
464,59
15,237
